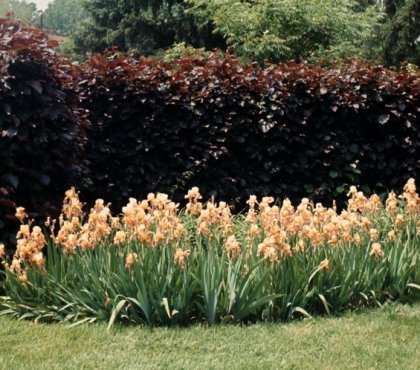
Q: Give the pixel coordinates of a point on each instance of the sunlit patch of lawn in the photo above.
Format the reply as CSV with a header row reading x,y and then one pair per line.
x,y
386,338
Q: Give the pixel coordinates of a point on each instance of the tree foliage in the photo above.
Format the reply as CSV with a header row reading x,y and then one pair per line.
x,y
279,30
64,16
142,26
21,9
402,32
262,30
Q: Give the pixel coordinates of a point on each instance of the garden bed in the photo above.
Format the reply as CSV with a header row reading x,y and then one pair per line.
x,y
157,265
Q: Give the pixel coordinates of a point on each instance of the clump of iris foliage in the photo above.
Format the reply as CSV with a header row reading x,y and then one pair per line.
x,y
157,265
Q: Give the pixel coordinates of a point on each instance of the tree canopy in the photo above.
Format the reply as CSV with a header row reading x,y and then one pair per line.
x,y
143,26
64,16
385,31
279,30
402,32
274,30
22,10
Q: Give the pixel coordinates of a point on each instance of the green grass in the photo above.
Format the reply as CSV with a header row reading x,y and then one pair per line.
x,y
386,338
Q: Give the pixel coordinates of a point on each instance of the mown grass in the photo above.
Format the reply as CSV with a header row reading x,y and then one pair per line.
x,y
386,338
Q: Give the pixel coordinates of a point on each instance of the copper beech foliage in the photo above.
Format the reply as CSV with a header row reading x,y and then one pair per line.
x,y
286,130
41,135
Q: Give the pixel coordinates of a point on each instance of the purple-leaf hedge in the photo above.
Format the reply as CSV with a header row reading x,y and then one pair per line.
x,y
116,127
287,130
41,127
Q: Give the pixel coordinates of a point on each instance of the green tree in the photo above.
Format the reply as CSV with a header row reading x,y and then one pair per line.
x,y
64,16
401,34
22,10
141,25
278,30
391,6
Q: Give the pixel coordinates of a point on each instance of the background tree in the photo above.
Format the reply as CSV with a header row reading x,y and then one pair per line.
x,y
23,11
64,16
279,30
142,25
391,6
401,33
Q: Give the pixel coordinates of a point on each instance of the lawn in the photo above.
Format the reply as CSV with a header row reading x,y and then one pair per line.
x,y
385,338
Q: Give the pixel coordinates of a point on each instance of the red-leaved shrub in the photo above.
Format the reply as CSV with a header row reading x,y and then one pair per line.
x,y
41,134
287,130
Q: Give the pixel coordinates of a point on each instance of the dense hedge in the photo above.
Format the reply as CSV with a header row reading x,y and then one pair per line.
x,y
288,130
40,127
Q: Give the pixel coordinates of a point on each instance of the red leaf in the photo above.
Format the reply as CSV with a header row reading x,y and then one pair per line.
x,y
52,43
